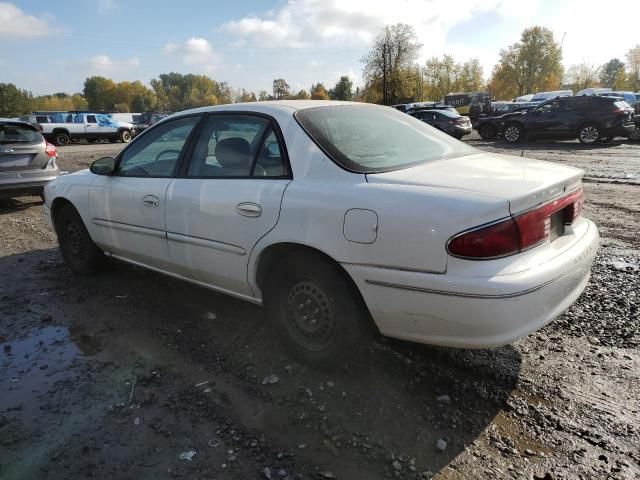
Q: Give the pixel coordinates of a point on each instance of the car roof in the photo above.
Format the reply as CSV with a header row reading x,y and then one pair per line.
x,y
272,106
10,121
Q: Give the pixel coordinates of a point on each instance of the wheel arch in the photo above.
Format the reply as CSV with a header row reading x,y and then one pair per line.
x,y
60,130
270,255
56,206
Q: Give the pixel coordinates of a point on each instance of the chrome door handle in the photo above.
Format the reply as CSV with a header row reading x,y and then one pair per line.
x,y
249,209
150,201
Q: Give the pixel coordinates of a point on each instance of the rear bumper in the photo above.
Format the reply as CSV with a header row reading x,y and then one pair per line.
x,y
23,188
621,130
472,311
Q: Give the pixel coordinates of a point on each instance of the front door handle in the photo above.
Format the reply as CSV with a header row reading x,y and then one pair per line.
x,y
249,209
150,201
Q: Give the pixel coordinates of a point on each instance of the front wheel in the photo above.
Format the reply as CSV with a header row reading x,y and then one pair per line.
x,y
589,134
78,250
512,133
316,312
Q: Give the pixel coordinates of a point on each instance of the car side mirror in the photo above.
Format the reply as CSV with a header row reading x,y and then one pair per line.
x,y
103,166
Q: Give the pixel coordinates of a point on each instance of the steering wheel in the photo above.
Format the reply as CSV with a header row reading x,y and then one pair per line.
x,y
169,150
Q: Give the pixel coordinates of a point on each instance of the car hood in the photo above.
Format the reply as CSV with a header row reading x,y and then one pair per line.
x,y
523,182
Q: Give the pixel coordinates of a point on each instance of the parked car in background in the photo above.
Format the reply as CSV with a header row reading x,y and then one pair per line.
x,y
27,160
588,118
544,96
450,123
422,106
310,208
593,91
86,126
36,120
146,119
628,97
490,126
524,98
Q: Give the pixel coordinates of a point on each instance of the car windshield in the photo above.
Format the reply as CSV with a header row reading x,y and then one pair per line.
x,y
370,139
15,133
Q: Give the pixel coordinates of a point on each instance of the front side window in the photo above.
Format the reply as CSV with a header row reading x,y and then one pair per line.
x,y
156,153
370,139
236,146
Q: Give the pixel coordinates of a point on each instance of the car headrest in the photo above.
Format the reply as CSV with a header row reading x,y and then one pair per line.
x,y
233,152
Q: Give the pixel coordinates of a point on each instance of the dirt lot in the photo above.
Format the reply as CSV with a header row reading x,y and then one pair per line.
x,y
134,375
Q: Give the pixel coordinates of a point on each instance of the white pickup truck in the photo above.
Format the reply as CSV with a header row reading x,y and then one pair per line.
x,y
86,126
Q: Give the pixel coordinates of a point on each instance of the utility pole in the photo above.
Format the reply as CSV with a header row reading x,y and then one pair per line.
x,y
384,73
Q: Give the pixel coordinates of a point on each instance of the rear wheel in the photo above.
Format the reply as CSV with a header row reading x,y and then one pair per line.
x,y
315,310
125,136
589,134
62,139
486,132
512,133
78,250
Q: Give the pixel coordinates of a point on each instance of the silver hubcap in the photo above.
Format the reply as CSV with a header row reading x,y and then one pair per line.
x,y
310,317
589,134
512,134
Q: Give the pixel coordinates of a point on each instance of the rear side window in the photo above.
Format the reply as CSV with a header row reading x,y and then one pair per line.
x,y
42,119
370,139
18,134
91,119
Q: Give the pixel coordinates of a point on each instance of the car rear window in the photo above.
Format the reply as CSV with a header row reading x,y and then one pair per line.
x,y
371,139
13,133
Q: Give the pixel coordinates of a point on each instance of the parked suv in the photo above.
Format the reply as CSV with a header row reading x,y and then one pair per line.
x,y
589,119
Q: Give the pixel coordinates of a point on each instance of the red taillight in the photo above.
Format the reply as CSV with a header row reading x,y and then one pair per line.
x,y
497,240
519,233
50,150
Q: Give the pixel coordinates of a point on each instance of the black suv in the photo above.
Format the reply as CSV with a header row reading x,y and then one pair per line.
x,y
587,118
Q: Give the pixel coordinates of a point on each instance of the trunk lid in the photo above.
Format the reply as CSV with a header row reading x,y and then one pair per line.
x,y
17,157
523,182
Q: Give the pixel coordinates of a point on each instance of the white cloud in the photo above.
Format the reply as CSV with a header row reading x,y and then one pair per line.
x,y
354,24
14,23
194,52
105,64
106,6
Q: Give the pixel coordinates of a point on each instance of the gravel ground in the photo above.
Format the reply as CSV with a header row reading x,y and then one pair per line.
x,y
131,374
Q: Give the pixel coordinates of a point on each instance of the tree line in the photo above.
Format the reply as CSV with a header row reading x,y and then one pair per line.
x,y
169,92
391,74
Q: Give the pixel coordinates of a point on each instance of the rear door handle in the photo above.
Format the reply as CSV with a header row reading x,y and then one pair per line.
x,y
150,201
249,209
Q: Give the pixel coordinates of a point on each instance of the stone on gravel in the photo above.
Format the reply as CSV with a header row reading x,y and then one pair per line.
x,y
397,465
270,379
187,456
441,445
446,399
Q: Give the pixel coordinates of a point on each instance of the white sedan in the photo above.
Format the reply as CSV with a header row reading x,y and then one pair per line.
x,y
337,216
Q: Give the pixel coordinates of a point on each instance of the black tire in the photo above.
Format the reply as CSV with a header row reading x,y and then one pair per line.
x,y
78,250
486,132
61,139
315,310
512,133
589,133
125,136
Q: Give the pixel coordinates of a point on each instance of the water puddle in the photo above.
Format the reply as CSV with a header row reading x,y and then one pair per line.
x,y
508,427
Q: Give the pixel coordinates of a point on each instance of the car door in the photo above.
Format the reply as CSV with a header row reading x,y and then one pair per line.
x,y
226,198
128,207
544,120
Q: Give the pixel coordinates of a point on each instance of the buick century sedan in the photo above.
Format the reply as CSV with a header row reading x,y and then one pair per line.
x,y
337,217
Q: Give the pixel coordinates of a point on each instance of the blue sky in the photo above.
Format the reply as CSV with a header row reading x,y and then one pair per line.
x,y
54,46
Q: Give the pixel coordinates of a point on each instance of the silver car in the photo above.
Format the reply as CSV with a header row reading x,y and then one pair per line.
x,y
27,160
